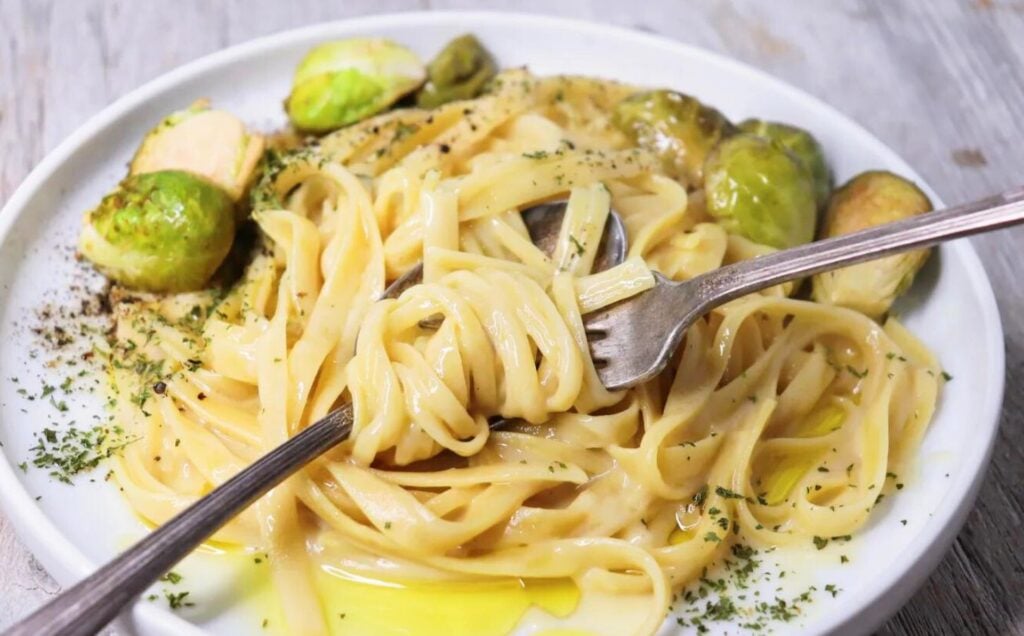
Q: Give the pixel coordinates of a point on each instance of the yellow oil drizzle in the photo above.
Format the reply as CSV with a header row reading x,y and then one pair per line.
x,y
220,576
254,590
779,483
357,606
678,535
821,421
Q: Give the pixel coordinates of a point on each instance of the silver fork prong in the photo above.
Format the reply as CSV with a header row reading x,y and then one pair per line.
x,y
643,332
603,347
635,338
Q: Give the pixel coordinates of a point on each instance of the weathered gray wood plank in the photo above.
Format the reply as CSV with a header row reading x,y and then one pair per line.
x,y
942,81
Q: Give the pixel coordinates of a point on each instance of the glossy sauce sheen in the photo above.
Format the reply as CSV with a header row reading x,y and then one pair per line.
x,y
360,606
356,605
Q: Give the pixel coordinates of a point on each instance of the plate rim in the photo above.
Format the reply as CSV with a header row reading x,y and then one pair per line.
x,y
871,605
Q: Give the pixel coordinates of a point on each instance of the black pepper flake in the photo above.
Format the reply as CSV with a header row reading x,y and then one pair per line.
x,y
445,149
201,396
160,388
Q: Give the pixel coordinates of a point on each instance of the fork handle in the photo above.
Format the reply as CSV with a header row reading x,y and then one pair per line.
x,y
733,281
93,602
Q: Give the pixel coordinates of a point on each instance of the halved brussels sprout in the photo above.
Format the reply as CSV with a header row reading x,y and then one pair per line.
x,y
802,144
339,83
162,231
679,128
459,71
756,188
212,144
869,199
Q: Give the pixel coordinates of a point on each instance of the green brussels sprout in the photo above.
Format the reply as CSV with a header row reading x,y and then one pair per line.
x,y
756,188
339,83
869,199
802,144
459,71
162,231
680,129
212,144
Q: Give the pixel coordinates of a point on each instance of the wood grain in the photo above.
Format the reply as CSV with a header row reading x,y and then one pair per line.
x,y
941,81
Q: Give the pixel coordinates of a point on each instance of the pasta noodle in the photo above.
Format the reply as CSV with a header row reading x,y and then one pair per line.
x,y
783,415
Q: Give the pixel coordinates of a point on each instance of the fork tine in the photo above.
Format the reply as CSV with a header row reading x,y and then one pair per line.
x,y
604,348
632,341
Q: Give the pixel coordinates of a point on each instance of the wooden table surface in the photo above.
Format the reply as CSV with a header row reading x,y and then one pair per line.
x,y
941,81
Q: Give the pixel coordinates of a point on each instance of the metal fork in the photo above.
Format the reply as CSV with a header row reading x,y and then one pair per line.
x,y
93,602
632,341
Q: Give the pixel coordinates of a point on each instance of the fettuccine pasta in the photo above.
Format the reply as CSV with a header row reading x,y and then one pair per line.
x,y
777,421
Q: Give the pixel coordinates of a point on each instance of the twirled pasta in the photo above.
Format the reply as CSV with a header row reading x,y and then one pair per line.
x,y
782,414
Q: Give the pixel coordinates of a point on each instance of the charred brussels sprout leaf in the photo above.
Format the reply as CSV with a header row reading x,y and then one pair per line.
x,y
161,232
460,71
679,128
870,199
803,145
339,83
756,188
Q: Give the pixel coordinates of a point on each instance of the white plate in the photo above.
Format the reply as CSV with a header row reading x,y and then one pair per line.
x,y
71,529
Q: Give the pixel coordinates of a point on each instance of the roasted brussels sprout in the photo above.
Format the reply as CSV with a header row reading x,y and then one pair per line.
x,y
802,144
756,188
869,199
459,71
212,144
162,231
339,83
680,129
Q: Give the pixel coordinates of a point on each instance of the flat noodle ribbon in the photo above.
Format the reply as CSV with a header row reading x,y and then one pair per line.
x,y
779,416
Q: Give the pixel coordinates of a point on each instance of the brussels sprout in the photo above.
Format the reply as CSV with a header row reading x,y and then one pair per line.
x,y
162,231
802,144
459,71
341,82
869,199
680,129
212,144
756,188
